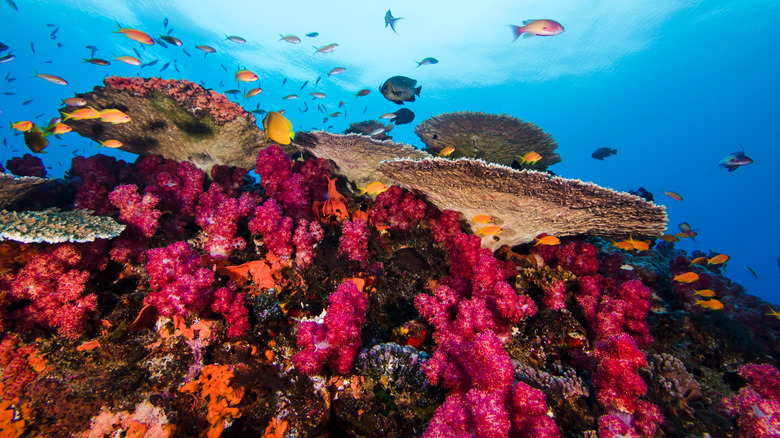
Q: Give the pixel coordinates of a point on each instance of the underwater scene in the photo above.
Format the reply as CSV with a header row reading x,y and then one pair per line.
x,y
395,219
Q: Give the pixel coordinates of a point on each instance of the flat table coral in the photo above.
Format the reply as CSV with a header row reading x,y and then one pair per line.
x,y
176,119
492,137
55,226
526,203
15,188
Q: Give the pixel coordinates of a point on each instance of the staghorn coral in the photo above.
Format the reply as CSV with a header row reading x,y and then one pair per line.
x,y
176,119
526,203
356,156
56,226
495,138
13,188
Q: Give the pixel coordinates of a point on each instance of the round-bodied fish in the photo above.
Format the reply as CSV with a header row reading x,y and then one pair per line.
x,y
400,89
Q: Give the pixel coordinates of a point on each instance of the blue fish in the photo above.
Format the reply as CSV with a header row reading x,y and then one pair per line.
x,y
390,21
735,160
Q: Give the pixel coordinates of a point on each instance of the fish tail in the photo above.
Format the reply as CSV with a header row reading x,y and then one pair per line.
x,y
120,27
614,151
417,90
517,31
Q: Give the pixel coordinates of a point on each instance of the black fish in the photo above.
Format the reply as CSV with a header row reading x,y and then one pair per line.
x,y
12,5
161,43
284,81
60,45
232,91
171,40
136,52
400,89
643,193
602,153
32,48
318,80
304,84
27,102
165,66
403,116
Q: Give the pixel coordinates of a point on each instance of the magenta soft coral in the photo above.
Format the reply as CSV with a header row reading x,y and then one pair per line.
x,y
757,405
353,242
180,286
307,234
397,208
140,218
337,339
276,230
231,305
26,165
98,175
218,217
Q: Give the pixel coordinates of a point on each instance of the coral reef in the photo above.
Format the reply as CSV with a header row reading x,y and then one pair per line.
x,y
13,188
494,138
56,226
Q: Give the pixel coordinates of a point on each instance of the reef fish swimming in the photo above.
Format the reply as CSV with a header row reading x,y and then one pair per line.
x,y
400,89
735,160
602,153
278,128
537,27
403,116
390,20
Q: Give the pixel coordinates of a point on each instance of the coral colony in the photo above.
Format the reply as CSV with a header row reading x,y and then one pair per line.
x,y
195,301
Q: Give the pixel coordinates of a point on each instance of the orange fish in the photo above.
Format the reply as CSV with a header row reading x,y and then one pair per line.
x,y
490,230
701,261
113,116
446,152
482,219
53,79
374,188
624,245
530,158
632,244
671,238
718,259
547,240
23,126
111,144
83,114
135,35
675,196
130,60
710,304
688,277
707,293
58,128
253,92
246,76
773,313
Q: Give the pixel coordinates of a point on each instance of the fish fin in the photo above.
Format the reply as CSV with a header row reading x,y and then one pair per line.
x,y
527,35
417,90
516,31
614,151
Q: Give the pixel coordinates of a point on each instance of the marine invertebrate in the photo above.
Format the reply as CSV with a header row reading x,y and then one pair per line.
x,y
356,157
276,230
26,165
176,119
97,176
494,138
757,405
525,203
353,242
218,216
180,285
214,389
56,226
397,208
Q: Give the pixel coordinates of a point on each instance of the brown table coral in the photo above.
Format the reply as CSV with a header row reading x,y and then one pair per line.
x,y
14,188
176,119
526,203
55,226
494,138
356,156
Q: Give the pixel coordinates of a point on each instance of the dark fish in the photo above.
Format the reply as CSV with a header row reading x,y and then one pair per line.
x,y
400,89
185,52
149,64
602,153
223,67
165,22
94,49
53,33
161,43
403,116
60,45
306,106
166,65
643,193
428,61
32,48
221,83
304,84
170,31
171,40
232,91
35,140
365,109
27,102
752,271
312,34
136,52
97,61
7,58
12,5
735,160
390,20
9,93
284,81
258,111
318,80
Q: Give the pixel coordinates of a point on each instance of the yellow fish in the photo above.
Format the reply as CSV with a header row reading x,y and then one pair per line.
x,y
710,304
632,244
253,92
23,126
707,293
246,76
718,259
688,277
490,230
530,158
83,114
446,152
482,219
58,128
374,188
547,240
773,313
278,128
111,144
114,116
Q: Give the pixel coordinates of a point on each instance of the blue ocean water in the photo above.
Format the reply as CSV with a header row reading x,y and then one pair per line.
x,y
674,87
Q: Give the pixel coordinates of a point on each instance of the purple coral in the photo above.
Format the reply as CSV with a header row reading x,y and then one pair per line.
x,y
141,218
180,285
231,306
337,339
218,217
274,168
276,230
757,405
98,175
26,165
397,208
307,234
353,242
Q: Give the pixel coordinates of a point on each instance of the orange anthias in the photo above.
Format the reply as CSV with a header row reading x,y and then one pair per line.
x,y
547,240
135,35
490,230
718,259
688,277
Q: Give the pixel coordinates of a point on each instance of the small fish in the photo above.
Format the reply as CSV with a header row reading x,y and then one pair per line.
x,y
7,58
735,160
93,49
386,116
290,97
379,131
427,61
326,49
3,47
58,128
53,79
317,81
446,152
718,259
709,304
83,114
246,76
304,84
688,277
27,102
278,128
284,81
32,48
674,195
232,91
12,5
752,272
235,39
113,116
253,92
701,261
537,27
706,293
97,61
186,53
290,39
362,92
374,188
23,126
135,35
547,240
336,114
206,49
390,20
490,230
74,101
165,22
318,95
35,140
305,105
161,43
671,238
687,231
602,153
130,60
134,50
341,104
336,71
113,144
171,40
313,34
400,89
530,158
482,219
223,67
773,312
149,64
